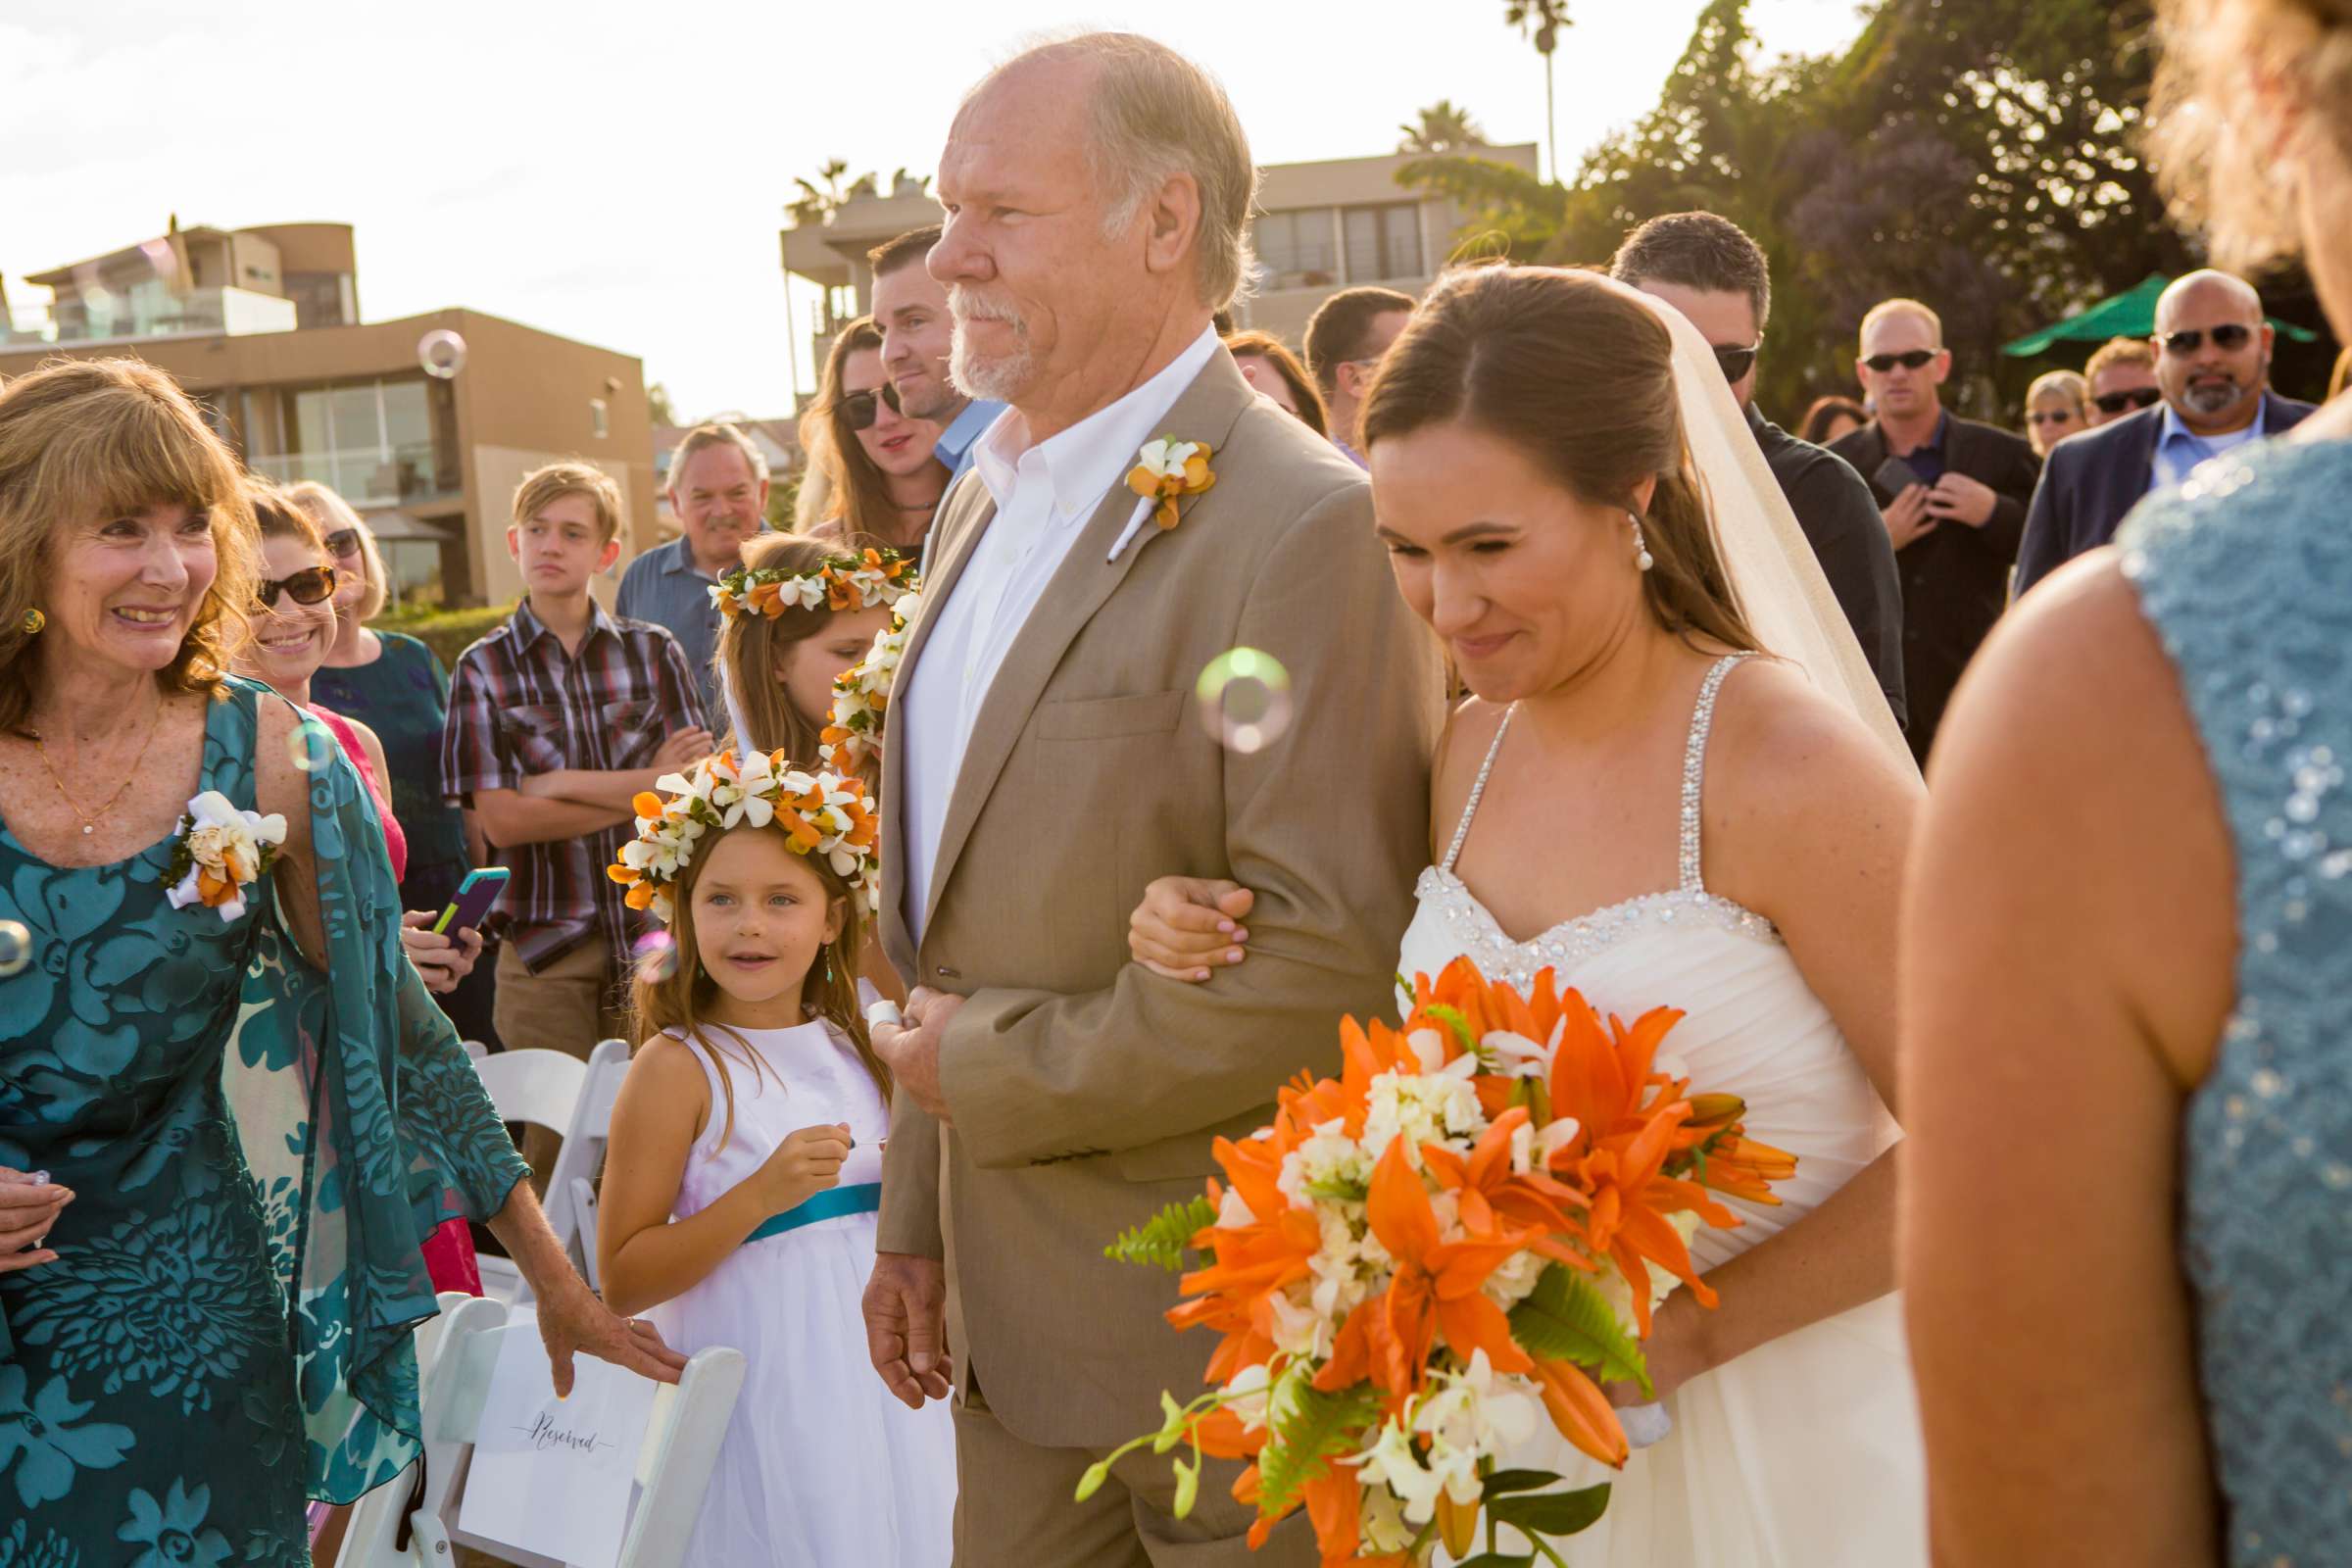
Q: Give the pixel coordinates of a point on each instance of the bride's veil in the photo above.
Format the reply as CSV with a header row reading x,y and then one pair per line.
x,y
1773,571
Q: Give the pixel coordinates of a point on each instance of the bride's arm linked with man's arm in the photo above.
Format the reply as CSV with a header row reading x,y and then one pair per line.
x,y
1327,827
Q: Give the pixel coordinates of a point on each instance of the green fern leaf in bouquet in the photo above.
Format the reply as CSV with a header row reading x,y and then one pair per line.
x,y
1162,1241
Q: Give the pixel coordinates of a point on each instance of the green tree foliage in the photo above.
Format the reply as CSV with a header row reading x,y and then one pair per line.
x,y
1980,155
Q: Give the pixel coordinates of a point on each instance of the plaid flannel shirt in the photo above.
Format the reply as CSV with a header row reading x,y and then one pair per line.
x,y
520,705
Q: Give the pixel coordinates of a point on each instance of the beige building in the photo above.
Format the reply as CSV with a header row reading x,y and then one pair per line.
x,y
301,389
1321,227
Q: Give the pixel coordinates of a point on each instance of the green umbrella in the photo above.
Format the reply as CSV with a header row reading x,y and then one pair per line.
x,y
2131,314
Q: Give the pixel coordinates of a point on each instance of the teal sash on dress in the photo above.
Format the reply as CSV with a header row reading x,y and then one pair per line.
x,y
865,1197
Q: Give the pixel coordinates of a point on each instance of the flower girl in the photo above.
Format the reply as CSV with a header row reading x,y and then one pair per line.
x,y
743,1174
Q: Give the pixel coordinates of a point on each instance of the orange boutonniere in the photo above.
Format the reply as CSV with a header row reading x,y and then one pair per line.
x,y
1165,472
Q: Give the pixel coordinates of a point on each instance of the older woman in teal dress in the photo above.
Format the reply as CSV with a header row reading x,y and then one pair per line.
x,y
2128,954
229,1112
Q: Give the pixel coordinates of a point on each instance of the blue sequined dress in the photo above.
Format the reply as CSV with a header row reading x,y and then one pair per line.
x,y
2247,575
256,1157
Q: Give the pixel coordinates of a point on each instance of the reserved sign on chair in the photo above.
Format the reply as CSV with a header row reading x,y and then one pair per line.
x,y
553,1476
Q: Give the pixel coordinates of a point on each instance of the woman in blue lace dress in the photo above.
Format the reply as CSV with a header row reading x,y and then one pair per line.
x,y
228,1114
2128,954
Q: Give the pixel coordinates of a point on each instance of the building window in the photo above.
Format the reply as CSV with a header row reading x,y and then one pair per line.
x,y
599,420
370,442
1384,242
1296,248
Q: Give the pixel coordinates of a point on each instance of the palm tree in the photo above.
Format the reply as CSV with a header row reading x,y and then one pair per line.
x,y
1543,20
816,199
1442,128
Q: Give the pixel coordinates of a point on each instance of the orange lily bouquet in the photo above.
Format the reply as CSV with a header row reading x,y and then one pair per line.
x,y
1471,1224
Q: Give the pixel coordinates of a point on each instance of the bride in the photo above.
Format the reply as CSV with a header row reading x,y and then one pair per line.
x,y
1675,783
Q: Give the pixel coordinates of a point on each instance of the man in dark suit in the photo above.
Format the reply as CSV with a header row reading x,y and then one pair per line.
x,y
2213,365
1706,268
1952,495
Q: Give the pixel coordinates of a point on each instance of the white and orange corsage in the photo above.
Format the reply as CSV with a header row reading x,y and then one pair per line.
x,y
1165,472
221,851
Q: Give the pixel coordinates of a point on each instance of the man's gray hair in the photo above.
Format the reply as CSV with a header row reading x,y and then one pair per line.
x,y
1157,114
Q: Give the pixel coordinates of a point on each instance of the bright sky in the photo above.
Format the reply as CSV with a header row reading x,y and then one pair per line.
x,y
616,171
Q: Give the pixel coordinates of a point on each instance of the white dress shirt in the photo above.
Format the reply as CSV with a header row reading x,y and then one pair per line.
x,y
1044,497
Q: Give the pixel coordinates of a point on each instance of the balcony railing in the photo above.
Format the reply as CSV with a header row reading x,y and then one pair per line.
x,y
364,476
99,316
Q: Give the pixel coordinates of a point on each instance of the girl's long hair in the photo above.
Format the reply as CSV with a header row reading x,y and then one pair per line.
x,y
676,997
751,646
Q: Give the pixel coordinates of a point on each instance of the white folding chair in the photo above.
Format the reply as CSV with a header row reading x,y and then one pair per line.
x,y
375,1518
673,1466
541,1088
571,1183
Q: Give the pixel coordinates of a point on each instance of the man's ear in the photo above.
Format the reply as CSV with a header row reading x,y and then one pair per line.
x,y
608,554
1172,223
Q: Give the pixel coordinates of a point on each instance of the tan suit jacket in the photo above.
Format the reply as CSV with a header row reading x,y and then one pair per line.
x,y
1083,1089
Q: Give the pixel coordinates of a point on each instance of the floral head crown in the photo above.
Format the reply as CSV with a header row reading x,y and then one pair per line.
x,y
821,813
840,582
861,692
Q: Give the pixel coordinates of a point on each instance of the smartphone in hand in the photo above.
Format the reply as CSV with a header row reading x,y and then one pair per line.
x,y
475,898
1894,476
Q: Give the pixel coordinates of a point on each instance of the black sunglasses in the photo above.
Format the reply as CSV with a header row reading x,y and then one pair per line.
x,y
1912,360
2052,416
2228,337
1736,362
2139,397
858,410
307,586
343,543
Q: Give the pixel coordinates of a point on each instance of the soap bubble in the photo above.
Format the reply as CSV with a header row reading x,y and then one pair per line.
x,y
654,958
442,353
1244,700
16,948
311,746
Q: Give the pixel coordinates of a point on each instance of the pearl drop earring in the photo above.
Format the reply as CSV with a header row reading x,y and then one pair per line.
x,y
1642,559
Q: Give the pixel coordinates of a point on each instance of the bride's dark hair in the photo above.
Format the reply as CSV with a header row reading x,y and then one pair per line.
x,y
1581,379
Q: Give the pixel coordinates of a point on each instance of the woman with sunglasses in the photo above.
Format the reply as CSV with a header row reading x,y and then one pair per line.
x,y
2055,409
881,484
396,686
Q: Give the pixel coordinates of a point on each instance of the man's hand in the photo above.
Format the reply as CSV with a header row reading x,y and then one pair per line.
x,y
905,1326
1957,498
1907,516
687,746
911,1049
572,1320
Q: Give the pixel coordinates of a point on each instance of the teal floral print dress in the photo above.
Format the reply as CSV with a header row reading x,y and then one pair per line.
x,y
258,1151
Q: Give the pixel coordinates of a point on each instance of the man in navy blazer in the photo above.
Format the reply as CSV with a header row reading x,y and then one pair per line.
x,y
2214,359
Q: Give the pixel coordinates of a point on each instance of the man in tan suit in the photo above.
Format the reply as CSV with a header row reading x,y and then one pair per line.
x,y
1043,765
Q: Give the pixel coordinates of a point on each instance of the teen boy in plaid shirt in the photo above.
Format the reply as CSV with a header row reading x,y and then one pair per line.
x,y
555,719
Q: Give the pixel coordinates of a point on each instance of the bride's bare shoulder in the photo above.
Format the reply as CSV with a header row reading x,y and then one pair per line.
x,y
1782,754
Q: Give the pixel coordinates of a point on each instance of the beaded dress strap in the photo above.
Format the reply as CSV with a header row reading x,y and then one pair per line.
x,y
1477,789
1695,767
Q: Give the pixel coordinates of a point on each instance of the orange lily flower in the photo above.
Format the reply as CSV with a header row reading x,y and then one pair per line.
x,y
1580,1411
1490,1191
1434,1289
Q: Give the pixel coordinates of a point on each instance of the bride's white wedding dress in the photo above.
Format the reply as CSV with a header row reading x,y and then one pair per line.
x,y
1805,1452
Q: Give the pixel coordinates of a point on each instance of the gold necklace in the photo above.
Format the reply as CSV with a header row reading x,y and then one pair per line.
x,y
89,824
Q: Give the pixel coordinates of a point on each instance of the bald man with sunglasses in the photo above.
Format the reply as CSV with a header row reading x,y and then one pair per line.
x,y
1953,494
2213,365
